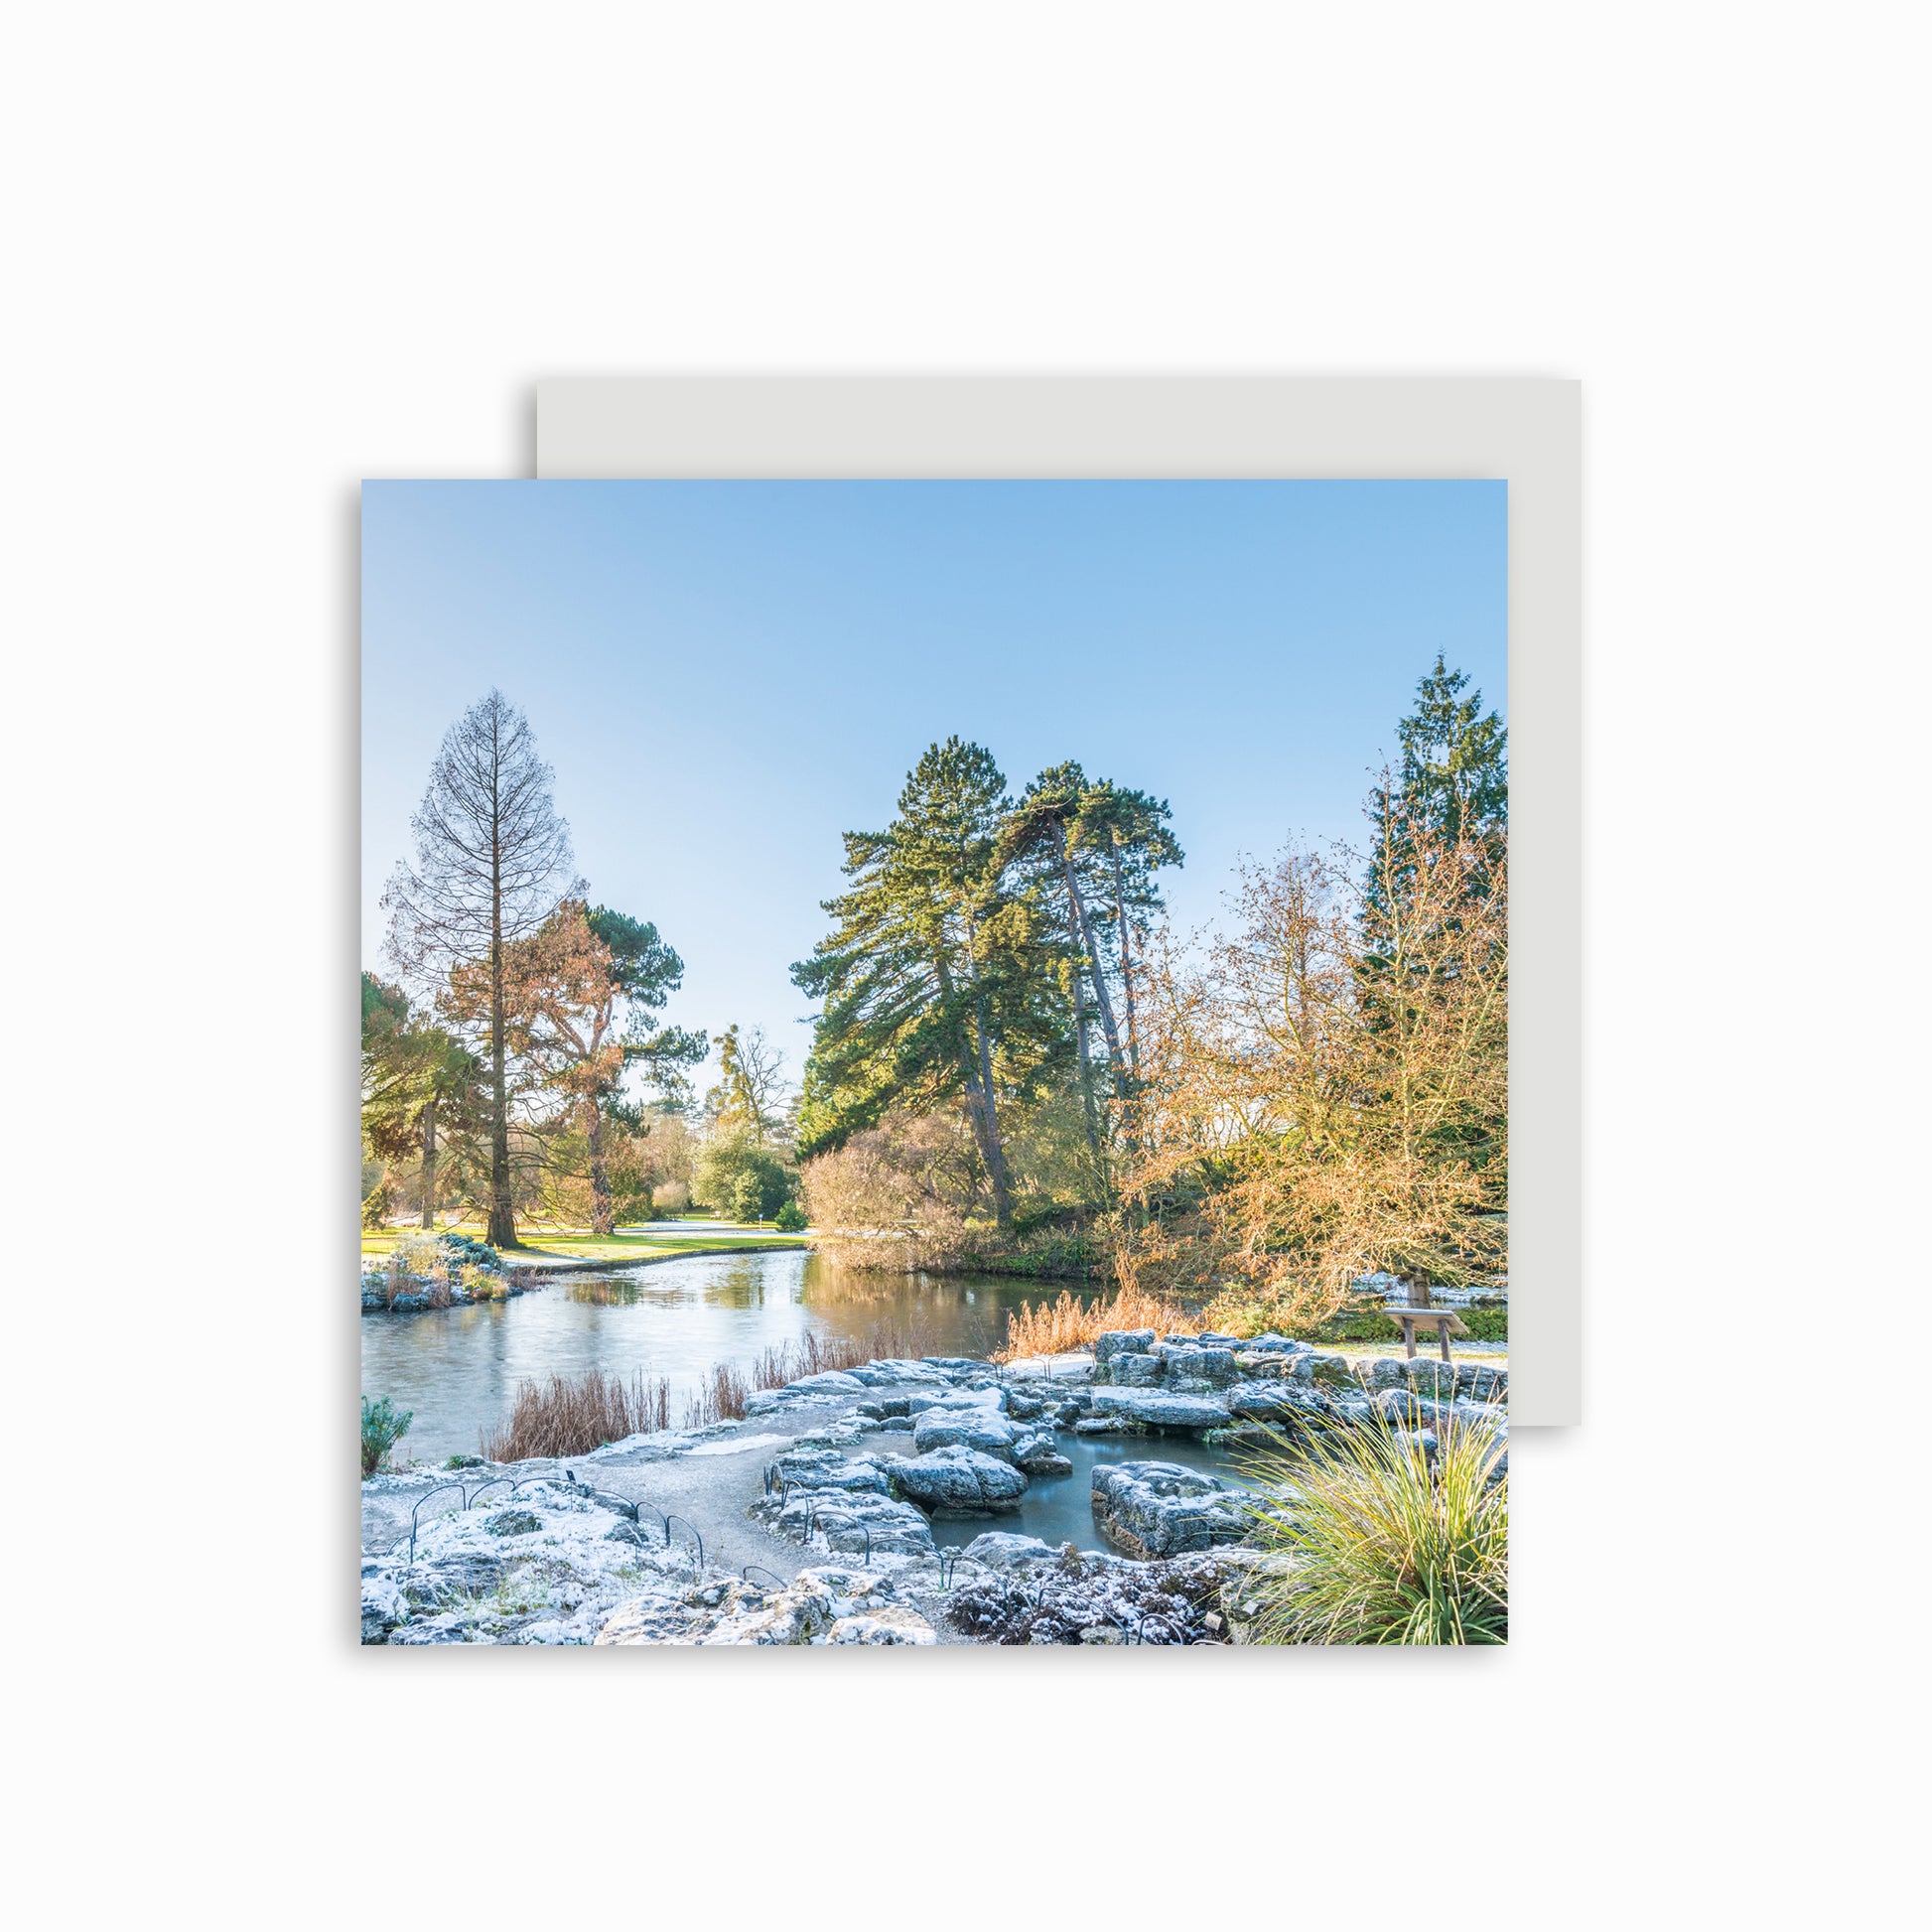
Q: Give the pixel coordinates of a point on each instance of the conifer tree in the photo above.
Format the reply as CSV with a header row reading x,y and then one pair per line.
x,y
932,981
1454,781
1093,848
417,1079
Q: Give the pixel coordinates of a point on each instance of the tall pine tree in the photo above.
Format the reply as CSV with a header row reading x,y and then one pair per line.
x,y
931,980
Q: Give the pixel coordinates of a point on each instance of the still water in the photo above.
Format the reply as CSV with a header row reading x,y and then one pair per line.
x,y
458,1370
1059,1509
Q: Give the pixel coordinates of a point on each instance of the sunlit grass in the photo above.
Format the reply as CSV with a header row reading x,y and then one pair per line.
x,y
1380,1543
587,1247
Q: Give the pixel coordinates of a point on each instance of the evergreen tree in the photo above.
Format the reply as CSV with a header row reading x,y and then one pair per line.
x,y
647,972
1130,833
417,1080
931,980
1454,781
1454,759
1092,847
1431,911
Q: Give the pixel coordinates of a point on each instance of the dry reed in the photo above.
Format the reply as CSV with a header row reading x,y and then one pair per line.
x,y
719,1397
1061,1328
816,1354
571,1416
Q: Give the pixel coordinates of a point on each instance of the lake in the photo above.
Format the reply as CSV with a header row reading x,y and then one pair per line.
x,y
458,1370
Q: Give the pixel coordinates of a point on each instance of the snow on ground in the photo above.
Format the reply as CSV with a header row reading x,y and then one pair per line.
x,y
558,1565
740,1445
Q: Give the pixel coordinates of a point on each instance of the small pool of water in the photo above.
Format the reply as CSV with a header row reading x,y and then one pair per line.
x,y
1059,1509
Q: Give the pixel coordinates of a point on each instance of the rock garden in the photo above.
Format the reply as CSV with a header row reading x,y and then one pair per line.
x,y
833,1486
440,1270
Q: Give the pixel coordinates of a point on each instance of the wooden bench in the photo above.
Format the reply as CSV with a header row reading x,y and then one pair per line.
x,y
1445,1323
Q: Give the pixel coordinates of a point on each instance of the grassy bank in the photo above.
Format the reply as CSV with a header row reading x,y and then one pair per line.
x,y
1484,1325
561,1244
1056,1328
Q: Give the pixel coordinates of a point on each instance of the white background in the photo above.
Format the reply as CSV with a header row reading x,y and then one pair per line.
x,y
255,254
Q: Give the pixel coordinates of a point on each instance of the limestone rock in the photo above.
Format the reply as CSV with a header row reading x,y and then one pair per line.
x,y
958,1481
979,1427
845,1518
828,1382
513,1522
1119,1342
828,1469
1209,1367
1155,1509
889,1623
1157,1409
1275,1402
1038,1456
1001,1550
1247,1594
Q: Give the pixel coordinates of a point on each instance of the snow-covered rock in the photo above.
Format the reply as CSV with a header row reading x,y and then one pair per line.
x,y
1036,1452
889,1623
826,1468
1190,1366
1001,1550
1157,1409
1119,1342
1155,1509
958,1481
829,1381
845,1519
547,1571
978,1427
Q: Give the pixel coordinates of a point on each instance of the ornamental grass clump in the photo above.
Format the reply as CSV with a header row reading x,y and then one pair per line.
x,y
484,1284
1380,1540
383,1427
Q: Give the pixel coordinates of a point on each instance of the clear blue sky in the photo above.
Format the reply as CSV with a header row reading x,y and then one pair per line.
x,y
728,676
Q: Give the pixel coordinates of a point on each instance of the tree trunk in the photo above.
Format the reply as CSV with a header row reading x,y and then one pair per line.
x,y
1086,1070
599,1181
1126,965
978,1080
503,1218
429,1166
1130,1123
1001,1184
1087,947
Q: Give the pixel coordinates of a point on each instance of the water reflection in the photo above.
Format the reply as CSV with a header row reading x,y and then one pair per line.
x,y
458,1370
1059,1509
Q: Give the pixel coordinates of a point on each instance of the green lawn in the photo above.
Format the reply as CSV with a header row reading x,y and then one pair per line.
x,y
565,1244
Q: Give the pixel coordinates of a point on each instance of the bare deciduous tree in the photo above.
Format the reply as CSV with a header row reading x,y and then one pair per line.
x,y
492,862
1324,1088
